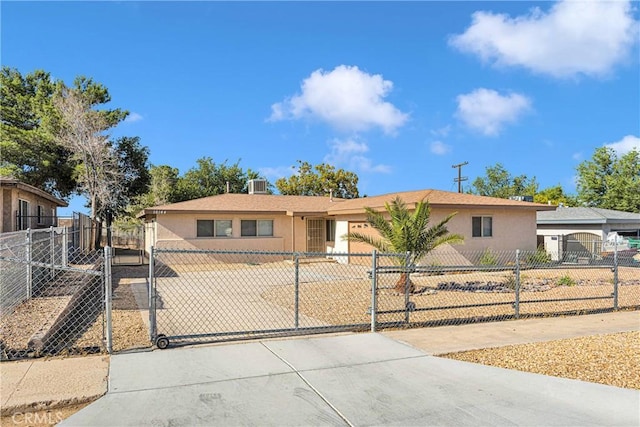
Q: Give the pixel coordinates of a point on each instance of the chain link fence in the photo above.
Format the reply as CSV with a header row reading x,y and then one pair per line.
x,y
199,295
52,296
461,287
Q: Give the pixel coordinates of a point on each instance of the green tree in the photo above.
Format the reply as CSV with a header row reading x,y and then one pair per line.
x,y
554,196
163,183
319,180
610,182
160,191
29,150
209,179
132,162
405,233
498,182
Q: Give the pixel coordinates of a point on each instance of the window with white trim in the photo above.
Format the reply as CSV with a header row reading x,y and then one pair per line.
x,y
482,226
214,228
256,228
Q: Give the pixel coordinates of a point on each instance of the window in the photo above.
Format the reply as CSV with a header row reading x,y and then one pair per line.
x,y
204,228
40,214
482,226
223,228
331,230
214,228
252,227
23,214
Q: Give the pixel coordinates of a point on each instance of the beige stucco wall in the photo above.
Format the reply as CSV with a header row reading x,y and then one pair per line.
x,y
9,202
512,229
179,231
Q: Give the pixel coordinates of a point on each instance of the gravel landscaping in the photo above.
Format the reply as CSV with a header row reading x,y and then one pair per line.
x,y
612,359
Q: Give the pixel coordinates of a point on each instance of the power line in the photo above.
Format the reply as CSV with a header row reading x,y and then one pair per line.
x,y
460,178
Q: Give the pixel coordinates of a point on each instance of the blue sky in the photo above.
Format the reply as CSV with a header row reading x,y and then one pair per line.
x,y
396,92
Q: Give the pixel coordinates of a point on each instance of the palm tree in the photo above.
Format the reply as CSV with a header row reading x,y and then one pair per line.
x,y
406,234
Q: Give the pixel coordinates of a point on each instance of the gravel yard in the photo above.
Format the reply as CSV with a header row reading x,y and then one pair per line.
x,y
606,359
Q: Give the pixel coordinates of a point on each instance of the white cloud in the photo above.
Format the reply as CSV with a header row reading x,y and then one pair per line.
x,y
442,132
487,111
346,98
133,117
625,145
572,38
439,147
350,154
275,172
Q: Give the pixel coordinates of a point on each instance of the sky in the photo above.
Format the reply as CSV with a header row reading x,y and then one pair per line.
x,y
397,92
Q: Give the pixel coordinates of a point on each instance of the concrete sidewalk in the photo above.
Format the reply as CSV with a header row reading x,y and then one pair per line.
x,y
41,383
31,385
341,380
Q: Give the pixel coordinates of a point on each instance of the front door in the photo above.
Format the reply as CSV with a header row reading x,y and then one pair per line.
x,y
315,235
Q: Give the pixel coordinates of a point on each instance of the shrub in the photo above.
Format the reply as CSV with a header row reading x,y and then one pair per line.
x,y
540,256
488,258
566,280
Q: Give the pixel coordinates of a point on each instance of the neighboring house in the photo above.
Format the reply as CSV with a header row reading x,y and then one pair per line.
x,y
24,206
583,229
316,224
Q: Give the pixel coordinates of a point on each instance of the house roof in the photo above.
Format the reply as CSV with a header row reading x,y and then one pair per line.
x,y
15,183
306,205
436,198
249,203
586,215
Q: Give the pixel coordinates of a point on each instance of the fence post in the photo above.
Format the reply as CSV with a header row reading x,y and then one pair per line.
x,y
152,296
296,285
374,289
516,304
29,265
107,298
52,252
615,275
65,246
407,285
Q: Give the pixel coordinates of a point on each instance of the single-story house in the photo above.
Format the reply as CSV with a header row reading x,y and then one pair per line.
x,y
24,206
316,224
583,229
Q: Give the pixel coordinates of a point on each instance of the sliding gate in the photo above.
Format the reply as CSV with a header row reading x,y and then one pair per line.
x,y
214,295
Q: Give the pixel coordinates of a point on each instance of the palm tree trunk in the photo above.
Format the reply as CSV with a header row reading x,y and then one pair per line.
x,y
403,282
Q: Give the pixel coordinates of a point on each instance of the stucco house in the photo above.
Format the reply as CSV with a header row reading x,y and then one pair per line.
x,y
317,224
24,206
583,229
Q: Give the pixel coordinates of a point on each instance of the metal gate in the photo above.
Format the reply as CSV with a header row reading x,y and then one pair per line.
x,y
227,295
199,295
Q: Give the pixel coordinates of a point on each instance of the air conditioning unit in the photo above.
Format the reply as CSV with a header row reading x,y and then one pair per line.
x,y
522,198
257,186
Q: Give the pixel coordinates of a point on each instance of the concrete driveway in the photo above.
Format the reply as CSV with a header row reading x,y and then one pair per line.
x,y
352,380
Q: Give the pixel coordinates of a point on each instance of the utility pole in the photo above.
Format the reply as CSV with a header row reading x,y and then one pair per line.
x,y
460,178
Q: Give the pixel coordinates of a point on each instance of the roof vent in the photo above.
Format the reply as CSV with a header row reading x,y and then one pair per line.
x,y
257,186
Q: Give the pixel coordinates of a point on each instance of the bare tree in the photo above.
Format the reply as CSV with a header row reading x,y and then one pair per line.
x,y
82,130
